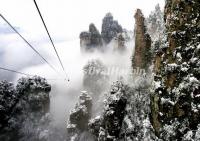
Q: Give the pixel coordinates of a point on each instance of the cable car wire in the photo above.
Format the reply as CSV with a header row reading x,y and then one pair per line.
x,y
50,38
14,71
27,42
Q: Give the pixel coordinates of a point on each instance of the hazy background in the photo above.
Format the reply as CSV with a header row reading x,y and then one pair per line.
x,y
65,19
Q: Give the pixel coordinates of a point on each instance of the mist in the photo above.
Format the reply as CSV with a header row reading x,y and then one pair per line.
x,y
18,56
64,94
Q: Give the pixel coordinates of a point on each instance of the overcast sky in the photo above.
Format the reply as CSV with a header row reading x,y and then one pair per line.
x,y
67,18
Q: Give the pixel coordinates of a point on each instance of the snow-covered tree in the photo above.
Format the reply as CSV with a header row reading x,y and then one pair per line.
x,y
24,109
155,24
8,99
95,78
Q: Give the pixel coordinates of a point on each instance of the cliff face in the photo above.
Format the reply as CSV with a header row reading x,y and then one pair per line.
x,y
141,57
175,99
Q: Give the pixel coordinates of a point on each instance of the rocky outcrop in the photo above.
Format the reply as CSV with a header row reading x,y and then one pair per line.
x,y
107,126
95,39
141,57
28,103
125,116
114,113
174,103
120,42
79,117
85,39
110,28
91,39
